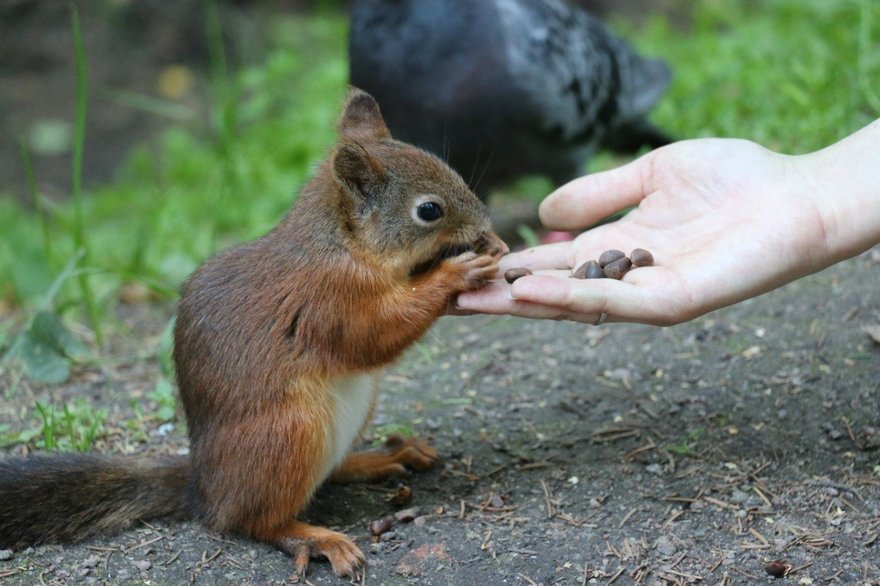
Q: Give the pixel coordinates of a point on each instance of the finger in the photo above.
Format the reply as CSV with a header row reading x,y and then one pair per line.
x,y
584,201
493,298
620,300
496,299
547,256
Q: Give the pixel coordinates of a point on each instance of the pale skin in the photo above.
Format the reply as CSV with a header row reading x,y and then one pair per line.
x,y
725,219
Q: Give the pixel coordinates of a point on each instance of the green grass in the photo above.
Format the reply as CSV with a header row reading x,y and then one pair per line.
x,y
794,75
196,188
75,426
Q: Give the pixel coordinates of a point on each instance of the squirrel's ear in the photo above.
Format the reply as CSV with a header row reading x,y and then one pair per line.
x,y
361,119
354,167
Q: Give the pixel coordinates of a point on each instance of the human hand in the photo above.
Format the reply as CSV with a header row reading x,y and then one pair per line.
x,y
725,220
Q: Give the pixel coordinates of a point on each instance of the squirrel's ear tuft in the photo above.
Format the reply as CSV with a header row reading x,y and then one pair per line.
x,y
361,119
358,170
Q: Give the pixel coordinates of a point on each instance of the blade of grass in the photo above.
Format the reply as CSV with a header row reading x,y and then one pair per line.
x,y
49,430
79,131
150,104
225,106
42,213
865,45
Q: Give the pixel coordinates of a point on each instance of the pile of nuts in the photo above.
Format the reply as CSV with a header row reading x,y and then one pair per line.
x,y
612,264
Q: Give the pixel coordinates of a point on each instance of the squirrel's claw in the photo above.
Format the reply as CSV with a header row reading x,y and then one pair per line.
x,y
475,269
345,557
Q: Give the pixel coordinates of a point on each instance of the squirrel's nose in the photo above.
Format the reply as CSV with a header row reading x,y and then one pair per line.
x,y
489,242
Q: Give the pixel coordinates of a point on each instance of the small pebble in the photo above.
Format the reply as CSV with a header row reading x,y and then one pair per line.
x,y
143,565
739,497
654,469
5,555
665,547
511,275
641,258
610,256
617,268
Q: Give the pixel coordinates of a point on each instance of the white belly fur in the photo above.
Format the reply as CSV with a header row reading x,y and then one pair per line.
x,y
353,397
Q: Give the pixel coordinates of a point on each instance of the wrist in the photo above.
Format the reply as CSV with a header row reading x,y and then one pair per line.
x,y
842,182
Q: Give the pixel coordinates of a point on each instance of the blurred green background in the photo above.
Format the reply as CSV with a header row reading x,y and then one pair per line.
x,y
202,123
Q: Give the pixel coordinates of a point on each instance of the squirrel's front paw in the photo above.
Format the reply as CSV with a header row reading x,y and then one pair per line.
x,y
398,458
490,244
411,452
475,269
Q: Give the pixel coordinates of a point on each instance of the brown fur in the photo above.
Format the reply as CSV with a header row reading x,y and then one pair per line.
x,y
271,334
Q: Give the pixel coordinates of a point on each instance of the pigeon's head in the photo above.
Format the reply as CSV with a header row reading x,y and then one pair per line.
x,y
401,202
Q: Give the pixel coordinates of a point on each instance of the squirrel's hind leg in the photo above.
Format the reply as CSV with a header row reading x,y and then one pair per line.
x,y
397,458
302,541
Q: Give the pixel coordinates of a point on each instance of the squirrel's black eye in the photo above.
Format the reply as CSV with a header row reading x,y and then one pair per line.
x,y
429,211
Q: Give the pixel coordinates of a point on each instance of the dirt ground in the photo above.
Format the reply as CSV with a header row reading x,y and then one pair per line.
x,y
619,454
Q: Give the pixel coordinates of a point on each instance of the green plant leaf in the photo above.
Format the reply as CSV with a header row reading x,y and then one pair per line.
x,y
166,350
164,396
41,362
30,274
48,329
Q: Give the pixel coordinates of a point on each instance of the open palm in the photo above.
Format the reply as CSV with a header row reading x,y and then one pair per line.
x,y
725,220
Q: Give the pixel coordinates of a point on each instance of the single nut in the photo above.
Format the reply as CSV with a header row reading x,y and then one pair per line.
x,y
618,268
511,275
778,568
641,258
588,270
380,526
402,496
610,256
407,515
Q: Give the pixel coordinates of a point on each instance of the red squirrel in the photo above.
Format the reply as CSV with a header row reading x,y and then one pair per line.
x,y
279,346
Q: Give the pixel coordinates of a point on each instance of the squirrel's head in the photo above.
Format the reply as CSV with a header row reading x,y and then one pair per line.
x,y
398,200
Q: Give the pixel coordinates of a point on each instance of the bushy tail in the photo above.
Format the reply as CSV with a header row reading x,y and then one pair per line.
x,y
62,498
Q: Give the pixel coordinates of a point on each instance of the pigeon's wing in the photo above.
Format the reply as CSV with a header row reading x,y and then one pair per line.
x,y
580,80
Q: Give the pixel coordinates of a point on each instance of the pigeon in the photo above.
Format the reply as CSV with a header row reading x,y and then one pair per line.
x,y
505,88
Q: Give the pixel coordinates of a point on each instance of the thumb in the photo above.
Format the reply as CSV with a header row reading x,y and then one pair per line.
x,y
584,201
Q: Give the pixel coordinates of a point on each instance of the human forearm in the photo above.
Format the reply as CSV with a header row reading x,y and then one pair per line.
x,y
843,181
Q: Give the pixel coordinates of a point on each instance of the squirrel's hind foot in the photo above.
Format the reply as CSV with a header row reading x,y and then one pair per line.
x,y
302,542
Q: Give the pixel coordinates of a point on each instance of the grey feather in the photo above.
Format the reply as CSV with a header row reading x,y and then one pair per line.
x,y
504,88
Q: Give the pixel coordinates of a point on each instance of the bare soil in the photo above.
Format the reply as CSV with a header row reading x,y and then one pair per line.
x,y
619,454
